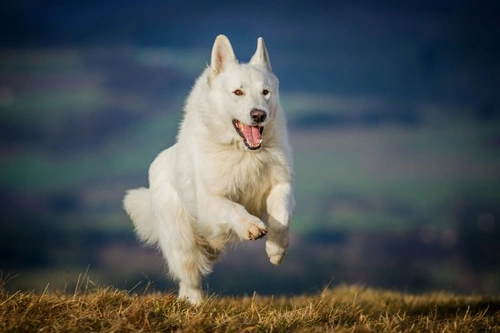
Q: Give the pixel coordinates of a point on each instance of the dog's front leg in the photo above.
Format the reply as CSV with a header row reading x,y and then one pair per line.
x,y
280,204
230,214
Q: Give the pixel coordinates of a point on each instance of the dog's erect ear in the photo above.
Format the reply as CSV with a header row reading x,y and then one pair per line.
x,y
222,55
261,57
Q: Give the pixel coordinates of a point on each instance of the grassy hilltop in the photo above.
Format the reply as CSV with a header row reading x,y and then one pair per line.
x,y
342,309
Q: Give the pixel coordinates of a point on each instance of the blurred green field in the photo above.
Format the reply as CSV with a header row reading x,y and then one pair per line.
x,y
423,169
353,175
80,126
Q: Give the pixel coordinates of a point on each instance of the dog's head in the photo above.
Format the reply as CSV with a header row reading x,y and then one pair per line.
x,y
245,95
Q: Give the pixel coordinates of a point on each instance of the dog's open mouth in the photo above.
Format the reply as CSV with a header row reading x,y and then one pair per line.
x,y
252,135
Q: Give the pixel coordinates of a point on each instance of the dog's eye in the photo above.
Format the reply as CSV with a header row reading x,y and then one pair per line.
x,y
238,92
265,92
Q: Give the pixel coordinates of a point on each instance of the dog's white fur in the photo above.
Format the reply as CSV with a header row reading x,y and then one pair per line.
x,y
209,188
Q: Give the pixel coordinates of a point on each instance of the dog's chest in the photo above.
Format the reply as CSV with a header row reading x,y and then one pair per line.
x,y
245,179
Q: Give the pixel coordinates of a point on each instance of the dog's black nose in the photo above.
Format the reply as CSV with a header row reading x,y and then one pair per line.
x,y
258,115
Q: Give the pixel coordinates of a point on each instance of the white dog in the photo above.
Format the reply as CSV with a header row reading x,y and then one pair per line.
x,y
229,171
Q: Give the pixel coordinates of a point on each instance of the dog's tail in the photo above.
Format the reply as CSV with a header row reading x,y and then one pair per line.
x,y
137,204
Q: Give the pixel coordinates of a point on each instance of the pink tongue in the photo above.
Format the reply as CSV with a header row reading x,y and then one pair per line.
x,y
252,135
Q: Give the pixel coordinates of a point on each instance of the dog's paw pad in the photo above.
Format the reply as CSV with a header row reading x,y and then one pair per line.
x,y
256,231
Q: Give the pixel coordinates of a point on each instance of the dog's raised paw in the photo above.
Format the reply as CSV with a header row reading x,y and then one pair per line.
x,y
256,231
275,252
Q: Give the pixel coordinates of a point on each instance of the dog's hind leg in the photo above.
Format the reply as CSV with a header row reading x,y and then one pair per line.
x,y
185,256
183,266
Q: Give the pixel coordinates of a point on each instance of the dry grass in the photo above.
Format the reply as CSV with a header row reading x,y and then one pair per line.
x,y
342,309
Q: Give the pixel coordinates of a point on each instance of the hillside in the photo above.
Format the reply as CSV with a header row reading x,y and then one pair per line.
x,y
343,309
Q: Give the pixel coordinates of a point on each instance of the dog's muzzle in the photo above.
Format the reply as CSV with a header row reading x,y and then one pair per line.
x,y
251,134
